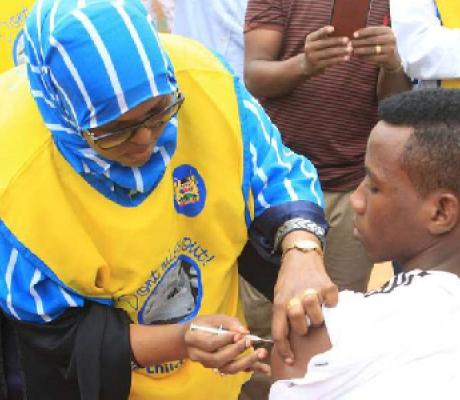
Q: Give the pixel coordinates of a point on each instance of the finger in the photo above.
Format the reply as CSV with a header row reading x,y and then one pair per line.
x,y
372,31
218,358
374,41
330,295
321,33
331,43
296,316
280,332
245,363
333,61
375,51
312,305
262,368
327,54
208,341
381,60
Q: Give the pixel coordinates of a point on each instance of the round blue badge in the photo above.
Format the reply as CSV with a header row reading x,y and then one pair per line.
x,y
189,191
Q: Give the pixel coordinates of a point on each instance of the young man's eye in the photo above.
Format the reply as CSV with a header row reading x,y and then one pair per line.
x,y
371,188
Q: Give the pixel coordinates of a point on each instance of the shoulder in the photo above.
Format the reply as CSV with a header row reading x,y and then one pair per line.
x,y
190,56
23,131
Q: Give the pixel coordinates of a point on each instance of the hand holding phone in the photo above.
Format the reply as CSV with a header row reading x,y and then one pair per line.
x,y
322,51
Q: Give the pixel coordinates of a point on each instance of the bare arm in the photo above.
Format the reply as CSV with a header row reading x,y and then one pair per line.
x,y
266,76
305,348
263,74
156,344
378,45
392,82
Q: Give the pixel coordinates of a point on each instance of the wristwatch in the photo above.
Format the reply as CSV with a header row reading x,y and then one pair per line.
x,y
305,246
298,224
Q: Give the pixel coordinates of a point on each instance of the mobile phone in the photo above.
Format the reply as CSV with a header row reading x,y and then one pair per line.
x,y
348,16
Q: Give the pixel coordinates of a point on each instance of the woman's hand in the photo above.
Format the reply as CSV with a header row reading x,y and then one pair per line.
x,y
302,287
229,352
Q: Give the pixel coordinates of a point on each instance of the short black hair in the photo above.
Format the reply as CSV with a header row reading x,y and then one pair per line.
x,y
431,157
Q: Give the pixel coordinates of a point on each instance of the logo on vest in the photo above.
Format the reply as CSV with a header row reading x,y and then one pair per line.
x,y
176,296
189,191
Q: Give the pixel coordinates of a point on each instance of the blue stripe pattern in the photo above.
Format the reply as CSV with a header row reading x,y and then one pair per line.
x,y
273,173
115,65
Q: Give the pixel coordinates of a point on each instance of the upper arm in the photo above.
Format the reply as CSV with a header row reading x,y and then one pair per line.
x,y
305,348
264,26
262,44
277,175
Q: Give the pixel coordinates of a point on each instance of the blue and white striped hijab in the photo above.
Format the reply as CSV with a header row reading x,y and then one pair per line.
x,y
90,61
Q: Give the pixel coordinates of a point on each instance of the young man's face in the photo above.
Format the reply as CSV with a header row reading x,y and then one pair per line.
x,y
389,211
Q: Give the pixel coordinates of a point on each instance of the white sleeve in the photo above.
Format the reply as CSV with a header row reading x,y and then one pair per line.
x,y
428,50
333,373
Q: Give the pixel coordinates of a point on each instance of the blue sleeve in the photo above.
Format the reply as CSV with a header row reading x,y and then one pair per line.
x,y
278,174
284,185
26,293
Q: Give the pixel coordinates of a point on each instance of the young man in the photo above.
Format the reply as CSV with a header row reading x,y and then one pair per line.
x,y
131,175
400,341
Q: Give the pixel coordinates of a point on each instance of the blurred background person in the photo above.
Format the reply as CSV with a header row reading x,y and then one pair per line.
x,y
216,24
428,36
162,12
322,92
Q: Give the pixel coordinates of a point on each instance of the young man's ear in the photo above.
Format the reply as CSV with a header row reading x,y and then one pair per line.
x,y
444,213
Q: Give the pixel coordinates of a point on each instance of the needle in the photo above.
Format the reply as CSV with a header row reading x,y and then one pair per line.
x,y
222,331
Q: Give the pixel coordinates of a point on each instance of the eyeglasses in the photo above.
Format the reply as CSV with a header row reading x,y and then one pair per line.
x,y
155,120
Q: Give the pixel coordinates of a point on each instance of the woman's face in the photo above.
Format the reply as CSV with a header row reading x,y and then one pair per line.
x,y
138,148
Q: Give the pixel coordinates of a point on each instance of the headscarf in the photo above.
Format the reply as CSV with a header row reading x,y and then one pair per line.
x,y
89,62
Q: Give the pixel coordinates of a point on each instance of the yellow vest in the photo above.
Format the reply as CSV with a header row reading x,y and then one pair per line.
x,y
13,14
450,17
171,257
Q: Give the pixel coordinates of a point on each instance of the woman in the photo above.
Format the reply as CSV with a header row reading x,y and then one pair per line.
x,y
120,179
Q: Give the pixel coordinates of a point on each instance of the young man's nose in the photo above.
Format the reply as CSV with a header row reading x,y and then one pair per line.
x,y
357,200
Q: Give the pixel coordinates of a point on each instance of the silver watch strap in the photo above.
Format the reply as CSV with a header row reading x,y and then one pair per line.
x,y
298,224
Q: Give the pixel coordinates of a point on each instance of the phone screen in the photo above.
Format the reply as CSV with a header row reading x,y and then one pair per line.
x,y
348,16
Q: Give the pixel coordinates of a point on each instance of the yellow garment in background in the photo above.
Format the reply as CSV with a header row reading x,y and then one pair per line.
x,y
450,17
13,14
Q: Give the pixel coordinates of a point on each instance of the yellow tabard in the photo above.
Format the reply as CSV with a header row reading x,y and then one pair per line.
x,y
12,18
450,17
165,260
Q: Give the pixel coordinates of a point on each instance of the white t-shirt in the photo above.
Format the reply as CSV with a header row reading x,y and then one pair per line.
x,y
400,342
